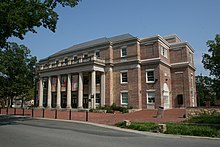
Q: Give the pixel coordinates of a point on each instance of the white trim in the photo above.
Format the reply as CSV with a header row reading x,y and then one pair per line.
x,y
179,72
124,47
121,97
123,71
147,96
146,74
151,90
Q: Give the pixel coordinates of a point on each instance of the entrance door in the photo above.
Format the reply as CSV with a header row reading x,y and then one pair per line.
x,y
63,100
166,97
74,100
85,101
54,99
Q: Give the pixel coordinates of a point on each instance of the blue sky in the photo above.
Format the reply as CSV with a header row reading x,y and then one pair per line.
x,y
195,21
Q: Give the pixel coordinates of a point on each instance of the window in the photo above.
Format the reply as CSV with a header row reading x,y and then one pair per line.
x,y
66,61
124,77
150,97
163,51
124,98
85,55
98,99
190,58
75,58
150,76
98,79
123,52
97,53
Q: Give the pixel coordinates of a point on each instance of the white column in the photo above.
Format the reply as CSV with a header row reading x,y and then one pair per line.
x,y
49,93
69,91
103,89
80,91
93,89
58,92
40,97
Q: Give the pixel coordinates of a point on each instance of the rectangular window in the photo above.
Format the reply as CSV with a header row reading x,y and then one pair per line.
x,y
98,79
124,98
98,99
124,77
150,76
163,51
190,58
85,55
97,53
150,97
123,52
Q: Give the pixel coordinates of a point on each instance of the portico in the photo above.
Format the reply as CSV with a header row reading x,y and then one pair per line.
x,y
74,85
73,90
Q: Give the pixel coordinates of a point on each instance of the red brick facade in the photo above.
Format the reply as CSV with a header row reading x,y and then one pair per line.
x,y
158,71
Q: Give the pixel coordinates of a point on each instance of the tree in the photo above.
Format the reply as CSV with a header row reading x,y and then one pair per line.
x,y
17,17
211,62
17,71
205,91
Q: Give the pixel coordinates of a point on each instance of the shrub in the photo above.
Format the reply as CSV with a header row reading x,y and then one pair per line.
x,y
193,130
206,118
140,126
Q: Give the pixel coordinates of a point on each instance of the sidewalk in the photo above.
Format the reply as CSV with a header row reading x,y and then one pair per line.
x,y
171,115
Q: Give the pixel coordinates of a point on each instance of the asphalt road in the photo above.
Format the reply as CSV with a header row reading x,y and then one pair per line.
x,y
27,132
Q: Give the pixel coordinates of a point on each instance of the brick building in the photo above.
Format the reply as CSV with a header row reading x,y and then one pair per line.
x,y
143,73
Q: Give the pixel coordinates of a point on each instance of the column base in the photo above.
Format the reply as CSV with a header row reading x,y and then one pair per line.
x,y
80,108
68,107
49,107
41,107
58,107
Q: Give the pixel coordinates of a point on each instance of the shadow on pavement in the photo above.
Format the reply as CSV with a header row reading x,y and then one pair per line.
x,y
12,120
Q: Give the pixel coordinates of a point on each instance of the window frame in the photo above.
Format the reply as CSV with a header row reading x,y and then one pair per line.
x,y
147,74
164,51
147,95
122,52
97,52
121,76
121,97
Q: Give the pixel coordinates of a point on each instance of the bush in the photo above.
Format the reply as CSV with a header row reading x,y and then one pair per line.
x,y
114,107
193,130
206,118
140,126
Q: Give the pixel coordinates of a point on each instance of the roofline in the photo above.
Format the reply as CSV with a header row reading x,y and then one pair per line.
x,y
179,44
155,37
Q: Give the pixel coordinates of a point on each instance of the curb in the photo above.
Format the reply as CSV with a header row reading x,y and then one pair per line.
x,y
150,134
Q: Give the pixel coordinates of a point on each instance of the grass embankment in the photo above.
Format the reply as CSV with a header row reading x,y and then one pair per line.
x,y
204,125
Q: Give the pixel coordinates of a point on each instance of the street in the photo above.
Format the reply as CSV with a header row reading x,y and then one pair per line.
x,y
28,132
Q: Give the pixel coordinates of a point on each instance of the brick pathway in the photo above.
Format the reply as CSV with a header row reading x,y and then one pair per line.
x,y
172,115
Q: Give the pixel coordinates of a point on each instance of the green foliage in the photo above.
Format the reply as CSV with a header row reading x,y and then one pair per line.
x,y
205,91
193,130
140,126
180,129
17,17
114,107
17,71
206,118
211,62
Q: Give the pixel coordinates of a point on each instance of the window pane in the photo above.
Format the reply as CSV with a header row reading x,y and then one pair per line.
x,y
124,77
98,100
150,76
124,97
151,97
97,53
123,52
